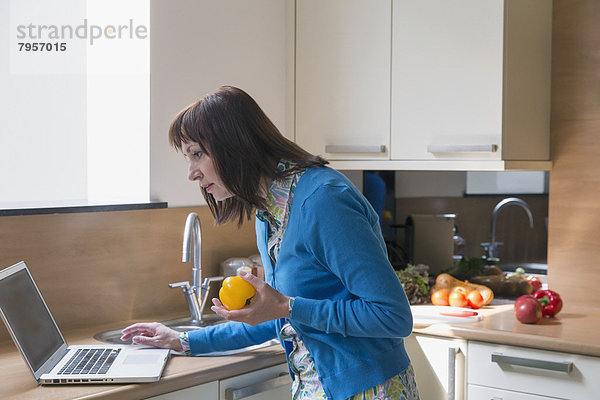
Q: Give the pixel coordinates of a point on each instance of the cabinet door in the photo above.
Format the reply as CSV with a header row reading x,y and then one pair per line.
x,y
266,384
447,79
534,371
483,392
343,50
207,391
439,365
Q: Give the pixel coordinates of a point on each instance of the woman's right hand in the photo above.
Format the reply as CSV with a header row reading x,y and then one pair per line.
x,y
153,334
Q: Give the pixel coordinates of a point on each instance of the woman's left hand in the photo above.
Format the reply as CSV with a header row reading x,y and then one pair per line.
x,y
268,304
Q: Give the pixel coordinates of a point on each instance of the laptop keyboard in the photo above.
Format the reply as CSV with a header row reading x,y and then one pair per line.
x,y
90,361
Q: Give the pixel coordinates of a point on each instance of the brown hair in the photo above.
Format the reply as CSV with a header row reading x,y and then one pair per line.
x,y
244,145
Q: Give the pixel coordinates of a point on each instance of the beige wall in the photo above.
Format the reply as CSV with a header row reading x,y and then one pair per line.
x,y
574,202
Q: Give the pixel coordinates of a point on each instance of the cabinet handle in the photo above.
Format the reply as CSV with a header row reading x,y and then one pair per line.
x,y
333,148
264,386
533,363
462,148
452,352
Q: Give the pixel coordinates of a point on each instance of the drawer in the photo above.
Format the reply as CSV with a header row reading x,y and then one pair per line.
x,y
485,393
541,372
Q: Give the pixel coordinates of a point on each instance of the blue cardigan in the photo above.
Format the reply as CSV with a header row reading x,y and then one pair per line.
x,y
350,309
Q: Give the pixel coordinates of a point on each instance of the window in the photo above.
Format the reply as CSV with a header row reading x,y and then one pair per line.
x,y
74,110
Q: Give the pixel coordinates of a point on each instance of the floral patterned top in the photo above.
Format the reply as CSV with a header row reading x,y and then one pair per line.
x,y
306,384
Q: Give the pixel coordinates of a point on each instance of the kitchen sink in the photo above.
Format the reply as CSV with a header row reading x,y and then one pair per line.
x,y
530,268
182,325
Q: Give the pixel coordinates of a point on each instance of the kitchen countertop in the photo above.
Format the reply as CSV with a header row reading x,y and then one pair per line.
x,y
180,372
574,330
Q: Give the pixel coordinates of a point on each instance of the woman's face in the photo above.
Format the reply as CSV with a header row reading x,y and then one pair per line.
x,y
202,169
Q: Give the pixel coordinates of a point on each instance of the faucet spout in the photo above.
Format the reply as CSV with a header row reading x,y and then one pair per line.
x,y
492,246
195,294
193,233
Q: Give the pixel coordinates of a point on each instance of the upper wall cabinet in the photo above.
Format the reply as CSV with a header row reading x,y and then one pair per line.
x,y
462,85
343,66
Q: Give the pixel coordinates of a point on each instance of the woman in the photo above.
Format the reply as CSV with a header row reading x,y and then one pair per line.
x,y
331,297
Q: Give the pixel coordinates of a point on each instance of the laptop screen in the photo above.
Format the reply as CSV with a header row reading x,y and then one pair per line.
x,y
28,317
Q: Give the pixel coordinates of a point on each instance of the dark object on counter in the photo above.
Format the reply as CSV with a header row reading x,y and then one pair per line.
x,y
504,286
550,301
415,281
492,270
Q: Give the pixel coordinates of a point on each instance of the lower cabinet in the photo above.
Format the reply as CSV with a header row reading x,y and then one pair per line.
x,y
485,393
439,365
266,384
271,383
516,373
207,391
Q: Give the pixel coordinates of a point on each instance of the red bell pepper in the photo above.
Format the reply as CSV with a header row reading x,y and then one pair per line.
x,y
550,301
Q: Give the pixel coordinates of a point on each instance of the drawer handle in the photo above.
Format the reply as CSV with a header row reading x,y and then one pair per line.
x,y
332,148
260,387
533,363
462,148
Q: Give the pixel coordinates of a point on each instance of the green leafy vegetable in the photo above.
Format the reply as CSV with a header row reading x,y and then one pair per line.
x,y
415,281
466,268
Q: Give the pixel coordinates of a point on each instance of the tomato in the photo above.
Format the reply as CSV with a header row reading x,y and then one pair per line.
x,y
475,299
457,299
536,283
236,293
440,297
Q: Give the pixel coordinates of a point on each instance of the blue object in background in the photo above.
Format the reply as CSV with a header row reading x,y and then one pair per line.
x,y
375,190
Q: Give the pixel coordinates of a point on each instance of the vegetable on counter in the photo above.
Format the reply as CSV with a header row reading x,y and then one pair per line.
x,y
503,285
475,299
415,281
528,310
460,297
457,299
440,297
536,283
446,281
466,268
550,301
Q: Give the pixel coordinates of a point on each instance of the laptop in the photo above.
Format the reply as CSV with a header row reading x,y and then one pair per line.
x,y
45,350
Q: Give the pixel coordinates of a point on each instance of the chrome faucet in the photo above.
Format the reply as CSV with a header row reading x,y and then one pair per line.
x,y
491,247
195,295
190,232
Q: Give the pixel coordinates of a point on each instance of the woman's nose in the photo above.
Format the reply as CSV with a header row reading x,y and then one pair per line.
x,y
194,173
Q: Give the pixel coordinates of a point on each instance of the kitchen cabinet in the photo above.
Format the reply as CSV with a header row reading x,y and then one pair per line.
x,y
511,372
424,85
271,383
342,83
471,80
482,392
266,384
439,365
208,390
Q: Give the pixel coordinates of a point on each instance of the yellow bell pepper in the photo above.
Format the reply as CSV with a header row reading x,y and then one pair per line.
x,y
236,293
